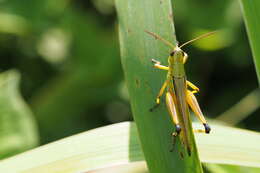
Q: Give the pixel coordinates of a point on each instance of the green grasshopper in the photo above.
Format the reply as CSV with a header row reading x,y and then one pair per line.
x,y
179,91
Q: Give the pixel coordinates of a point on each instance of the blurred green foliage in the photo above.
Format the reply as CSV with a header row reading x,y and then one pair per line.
x,y
68,56
18,130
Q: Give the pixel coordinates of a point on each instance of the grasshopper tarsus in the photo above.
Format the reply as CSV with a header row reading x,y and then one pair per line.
x,y
181,154
174,139
154,107
189,151
171,150
207,128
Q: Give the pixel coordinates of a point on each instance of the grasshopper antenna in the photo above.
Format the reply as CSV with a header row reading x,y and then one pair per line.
x,y
198,38
160,38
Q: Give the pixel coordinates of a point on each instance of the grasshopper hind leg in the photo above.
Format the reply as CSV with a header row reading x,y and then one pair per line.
x,y
173,112
194,105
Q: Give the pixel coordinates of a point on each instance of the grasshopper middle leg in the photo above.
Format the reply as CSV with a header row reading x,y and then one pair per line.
x,y
158,101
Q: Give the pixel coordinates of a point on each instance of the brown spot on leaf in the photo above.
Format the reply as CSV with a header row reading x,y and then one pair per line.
x,y
137,83
128,31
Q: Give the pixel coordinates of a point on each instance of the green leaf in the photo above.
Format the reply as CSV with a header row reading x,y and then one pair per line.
x,y
102,147
13,24
251,16
216,168
118,144
228,145
18,130
137,50
242,109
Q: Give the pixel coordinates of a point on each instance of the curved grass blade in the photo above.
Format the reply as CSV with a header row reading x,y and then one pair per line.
x,y
251,13
118,144
220,168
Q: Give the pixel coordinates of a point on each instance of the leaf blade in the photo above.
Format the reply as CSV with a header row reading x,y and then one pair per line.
x,y
137,50
121,146
251,17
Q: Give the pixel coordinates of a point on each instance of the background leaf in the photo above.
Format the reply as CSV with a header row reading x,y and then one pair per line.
x,y
18,129
217,168
251,17
84,152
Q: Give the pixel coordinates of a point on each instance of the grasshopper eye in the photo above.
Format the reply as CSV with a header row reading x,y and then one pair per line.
x,y
185,57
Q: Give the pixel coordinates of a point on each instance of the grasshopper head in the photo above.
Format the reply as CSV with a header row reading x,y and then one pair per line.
x,y
178,56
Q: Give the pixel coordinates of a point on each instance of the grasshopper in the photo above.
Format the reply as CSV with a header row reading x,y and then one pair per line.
x,y
179,91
